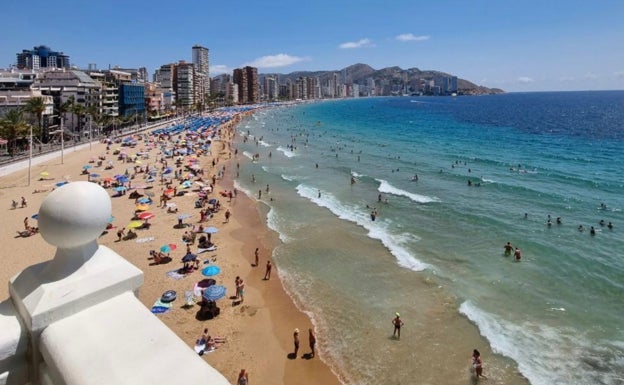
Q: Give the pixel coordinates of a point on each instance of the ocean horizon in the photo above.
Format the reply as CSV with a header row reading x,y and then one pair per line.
x,y
452,180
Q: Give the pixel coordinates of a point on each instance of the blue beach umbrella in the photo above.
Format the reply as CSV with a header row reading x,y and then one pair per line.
x,y
211,270
189,257
94,175
120,188
123,179
214,292
59,184
86,166
145,200
35,216
211,230
183,216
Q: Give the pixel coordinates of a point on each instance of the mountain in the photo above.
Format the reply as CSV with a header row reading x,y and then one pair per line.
x,y
391,80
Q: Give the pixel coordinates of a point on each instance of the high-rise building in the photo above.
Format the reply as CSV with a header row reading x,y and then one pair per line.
x,y
202,71
248,84
184,84
41,57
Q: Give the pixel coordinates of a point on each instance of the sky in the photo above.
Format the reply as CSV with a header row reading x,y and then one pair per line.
x,y
516,45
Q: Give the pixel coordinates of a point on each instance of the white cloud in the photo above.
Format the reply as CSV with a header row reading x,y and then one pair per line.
x,y
411,37
272,61
591,76
525,79
357,44
219,69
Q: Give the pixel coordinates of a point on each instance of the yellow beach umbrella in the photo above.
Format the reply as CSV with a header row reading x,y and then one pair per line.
x,y
142,207
134,224
44,173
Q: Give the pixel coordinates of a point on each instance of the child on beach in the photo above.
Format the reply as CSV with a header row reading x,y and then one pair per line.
x,y
477,363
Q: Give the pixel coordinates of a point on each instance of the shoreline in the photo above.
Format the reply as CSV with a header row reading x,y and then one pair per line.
x,y
258,332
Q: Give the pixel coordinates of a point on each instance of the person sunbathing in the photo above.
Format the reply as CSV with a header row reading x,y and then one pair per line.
x,y
130,235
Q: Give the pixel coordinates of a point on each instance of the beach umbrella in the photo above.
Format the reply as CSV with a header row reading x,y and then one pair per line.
x,y
189,257
212,201
186,184
59,184
145,200
211,270
134,224
94,175
146,215
123,179
184,216
120,188
111,219
141,207
167,170
211,230
149,193
86,167
214,292
44,173
168,248
35,216
206,282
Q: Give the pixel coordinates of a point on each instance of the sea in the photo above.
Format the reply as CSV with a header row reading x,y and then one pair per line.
x,y
452,180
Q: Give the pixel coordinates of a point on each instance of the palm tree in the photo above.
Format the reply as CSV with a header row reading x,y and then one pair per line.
x,y
12,126
79,111
94,115
37,107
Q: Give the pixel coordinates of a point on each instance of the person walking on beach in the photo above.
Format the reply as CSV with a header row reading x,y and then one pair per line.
x,y
243,378
227,215
256,254
267,273
397,322
477,363
312,341
296,341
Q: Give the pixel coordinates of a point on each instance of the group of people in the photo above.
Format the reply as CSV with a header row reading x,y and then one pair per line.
x,y
311,342
516,252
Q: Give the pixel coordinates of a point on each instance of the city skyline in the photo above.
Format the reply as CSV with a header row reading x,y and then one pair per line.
x,y
533,46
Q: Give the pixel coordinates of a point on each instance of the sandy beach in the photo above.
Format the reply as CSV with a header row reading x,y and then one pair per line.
x,y
259,332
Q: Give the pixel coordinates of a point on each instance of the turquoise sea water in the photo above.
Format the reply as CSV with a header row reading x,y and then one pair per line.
x,y
557,314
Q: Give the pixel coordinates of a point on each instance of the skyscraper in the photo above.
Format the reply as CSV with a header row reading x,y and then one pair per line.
x,y
202,67
41,57
248,84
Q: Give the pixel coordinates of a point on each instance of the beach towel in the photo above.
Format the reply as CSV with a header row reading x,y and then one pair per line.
x,y
211,248
201,349
143,240
160,307
175,275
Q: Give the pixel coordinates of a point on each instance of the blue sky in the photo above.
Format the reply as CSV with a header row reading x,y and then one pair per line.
x,y
514,45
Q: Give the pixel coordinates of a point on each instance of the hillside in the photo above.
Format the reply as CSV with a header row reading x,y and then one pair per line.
x,y
389,80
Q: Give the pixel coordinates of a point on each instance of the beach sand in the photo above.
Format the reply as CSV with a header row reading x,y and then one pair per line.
x,y
259,332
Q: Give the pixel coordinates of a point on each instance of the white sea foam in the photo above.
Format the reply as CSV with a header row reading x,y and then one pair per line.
x,y
263,143
286,152
376,230
248,154
356,175
289,178
274,223
387,188
552,355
